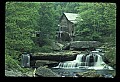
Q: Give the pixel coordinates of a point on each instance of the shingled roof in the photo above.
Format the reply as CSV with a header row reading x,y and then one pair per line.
x,y
71,17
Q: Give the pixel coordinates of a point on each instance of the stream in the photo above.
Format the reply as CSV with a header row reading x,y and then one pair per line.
x,y
83,63
72,72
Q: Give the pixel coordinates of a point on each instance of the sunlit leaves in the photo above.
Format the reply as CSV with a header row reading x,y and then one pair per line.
x,y
20,21
99,17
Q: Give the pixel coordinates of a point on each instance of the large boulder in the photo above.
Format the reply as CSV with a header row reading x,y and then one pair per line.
x,y
45,72
57,56
66,46
91,73
84,44
57,46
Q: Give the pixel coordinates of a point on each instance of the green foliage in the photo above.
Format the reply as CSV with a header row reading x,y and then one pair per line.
x,y
46,49
46,22
111,56
85,32
99,20
96,37
12,63
46,45
22,19
99,23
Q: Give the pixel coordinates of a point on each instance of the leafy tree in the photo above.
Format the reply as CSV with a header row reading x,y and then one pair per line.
x,y
20,21
46,22
100,18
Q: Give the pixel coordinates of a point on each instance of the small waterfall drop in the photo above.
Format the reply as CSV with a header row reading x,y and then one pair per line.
x,y
85,61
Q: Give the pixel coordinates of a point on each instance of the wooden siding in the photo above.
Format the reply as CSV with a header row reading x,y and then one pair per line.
x,y
67,27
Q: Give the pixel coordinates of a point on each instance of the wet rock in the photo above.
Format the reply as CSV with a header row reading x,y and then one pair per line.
x,y
84,44
59,56
108,76
12,73
89,74
57,46
16,73
45,72
66,46
45,62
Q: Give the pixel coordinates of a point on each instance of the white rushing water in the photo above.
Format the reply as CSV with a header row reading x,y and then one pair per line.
x,y
83,61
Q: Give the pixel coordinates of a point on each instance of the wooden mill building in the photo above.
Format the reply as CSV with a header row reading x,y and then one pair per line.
x,y
67,25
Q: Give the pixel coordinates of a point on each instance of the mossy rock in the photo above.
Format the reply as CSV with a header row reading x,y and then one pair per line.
x,y
45,72
90,73
12,73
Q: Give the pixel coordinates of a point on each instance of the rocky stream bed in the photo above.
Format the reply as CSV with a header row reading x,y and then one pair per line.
x,y
44,61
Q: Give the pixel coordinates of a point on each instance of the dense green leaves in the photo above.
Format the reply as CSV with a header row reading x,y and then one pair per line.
x,y
20,22
22,19
19,25
99,18
99,23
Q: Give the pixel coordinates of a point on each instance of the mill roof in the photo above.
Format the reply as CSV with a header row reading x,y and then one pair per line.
x,y
71,17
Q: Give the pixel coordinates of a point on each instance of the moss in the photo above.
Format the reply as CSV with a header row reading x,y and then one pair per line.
x,y
91,73
111,56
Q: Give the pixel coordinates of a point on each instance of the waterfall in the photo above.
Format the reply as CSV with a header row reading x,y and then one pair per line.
x,y
79,58
89,61
99,61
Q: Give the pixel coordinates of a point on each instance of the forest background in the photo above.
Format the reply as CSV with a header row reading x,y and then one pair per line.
x,y
22,19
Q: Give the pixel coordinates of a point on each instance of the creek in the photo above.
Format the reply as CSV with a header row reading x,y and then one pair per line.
x,y
84,63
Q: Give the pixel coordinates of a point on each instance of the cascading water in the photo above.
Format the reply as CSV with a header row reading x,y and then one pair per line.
x,y
85,61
